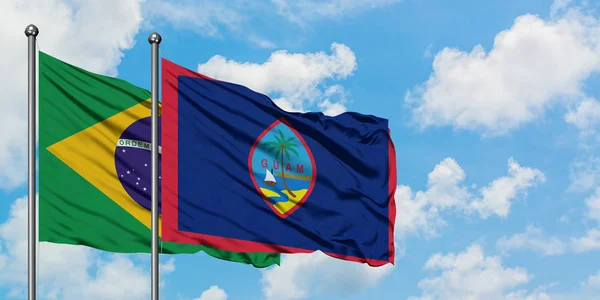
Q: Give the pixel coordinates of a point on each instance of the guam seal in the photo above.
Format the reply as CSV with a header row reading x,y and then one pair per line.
x,y
282,168
132,160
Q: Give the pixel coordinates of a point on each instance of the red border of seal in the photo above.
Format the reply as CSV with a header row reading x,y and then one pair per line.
x,y
312,161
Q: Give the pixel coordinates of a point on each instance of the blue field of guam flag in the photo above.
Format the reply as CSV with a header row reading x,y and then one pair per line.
x,y
241,174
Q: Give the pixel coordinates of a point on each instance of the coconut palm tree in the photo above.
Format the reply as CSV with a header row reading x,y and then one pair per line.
x,y
283,145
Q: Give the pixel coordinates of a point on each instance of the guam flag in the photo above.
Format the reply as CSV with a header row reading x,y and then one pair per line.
x,y
95,165
240,174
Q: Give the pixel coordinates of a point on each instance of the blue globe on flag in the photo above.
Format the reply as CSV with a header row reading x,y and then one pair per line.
x,y
133,162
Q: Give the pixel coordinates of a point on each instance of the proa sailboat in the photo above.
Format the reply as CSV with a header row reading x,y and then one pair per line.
x,y
269,179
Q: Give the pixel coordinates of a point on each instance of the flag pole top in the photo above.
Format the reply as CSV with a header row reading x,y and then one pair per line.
x,y
32,30
154,38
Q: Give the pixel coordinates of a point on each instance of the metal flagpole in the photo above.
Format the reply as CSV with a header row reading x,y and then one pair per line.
x,y
154,39
31,32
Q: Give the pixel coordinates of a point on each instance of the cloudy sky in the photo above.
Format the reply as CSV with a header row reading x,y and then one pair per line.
x,y
492,105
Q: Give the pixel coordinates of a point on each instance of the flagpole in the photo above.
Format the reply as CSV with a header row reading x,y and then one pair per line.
x,y
31,32
154,39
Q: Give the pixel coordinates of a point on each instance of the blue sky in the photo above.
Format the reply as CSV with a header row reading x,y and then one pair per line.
x,y
492,107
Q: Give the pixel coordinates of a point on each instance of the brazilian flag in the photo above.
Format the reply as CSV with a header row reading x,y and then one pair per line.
x,y
94,165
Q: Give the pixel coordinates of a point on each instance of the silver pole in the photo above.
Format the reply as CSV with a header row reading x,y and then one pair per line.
x,y
154,40
31,32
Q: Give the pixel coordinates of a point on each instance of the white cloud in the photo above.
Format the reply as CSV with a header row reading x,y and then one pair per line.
x,y
593,205
589,290
534,65
213,18
70,272
203,17
261,42
427,53
213,293
334,100
472,275
559,6
535,295
586,116
209,18
301,275
117,278
331,109
74,31
420,211
593,282
415,213
168,266
585,175
301,11
294,80
532,239
496,196
589,242
287,105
